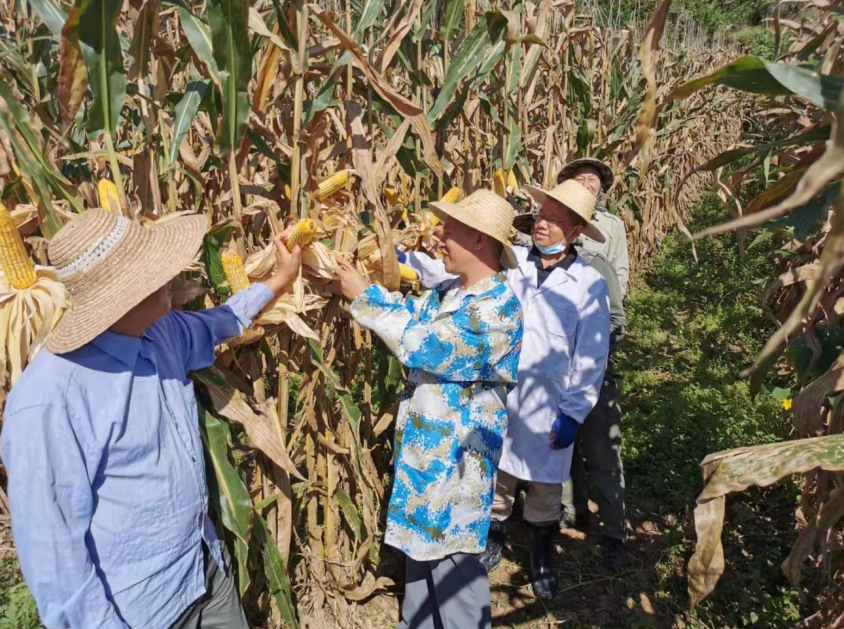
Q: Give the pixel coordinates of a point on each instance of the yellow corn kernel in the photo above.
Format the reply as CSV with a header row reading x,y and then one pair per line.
x,y
393,197
408,275
234,271
303,234
108,195
451,196
330,185
512,182
499,182
18,267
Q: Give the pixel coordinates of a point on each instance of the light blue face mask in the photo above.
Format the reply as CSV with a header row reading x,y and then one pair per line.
x,y
554,249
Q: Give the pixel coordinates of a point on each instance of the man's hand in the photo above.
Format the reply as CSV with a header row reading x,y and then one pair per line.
x,y
288,264
563,432
351,282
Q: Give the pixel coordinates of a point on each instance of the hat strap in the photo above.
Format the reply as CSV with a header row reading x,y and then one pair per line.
x,y
95,253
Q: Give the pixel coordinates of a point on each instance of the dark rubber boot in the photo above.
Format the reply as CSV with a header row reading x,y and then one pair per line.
x,y
613,554
541,538
491,556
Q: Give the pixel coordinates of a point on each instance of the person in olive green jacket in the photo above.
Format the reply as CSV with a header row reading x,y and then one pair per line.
x,y
597,455
598,177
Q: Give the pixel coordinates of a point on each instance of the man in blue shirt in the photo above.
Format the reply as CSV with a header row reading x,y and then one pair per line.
x,y
100,438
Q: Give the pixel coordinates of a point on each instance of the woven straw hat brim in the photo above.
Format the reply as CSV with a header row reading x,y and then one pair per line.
x,y
604,171
455,211
144,261
540,196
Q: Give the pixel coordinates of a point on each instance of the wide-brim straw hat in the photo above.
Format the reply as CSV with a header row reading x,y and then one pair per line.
x,y
576,198
110,264
486,212
604,171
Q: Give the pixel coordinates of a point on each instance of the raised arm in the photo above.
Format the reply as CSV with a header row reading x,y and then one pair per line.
x,y
194,335
51,501
479,341
431,271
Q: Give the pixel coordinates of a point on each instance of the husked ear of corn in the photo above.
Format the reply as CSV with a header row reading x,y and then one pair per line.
x,y
234,271
393,197
303,234
512,182
451,196
499,182
330,185
18,267
408,275
108,195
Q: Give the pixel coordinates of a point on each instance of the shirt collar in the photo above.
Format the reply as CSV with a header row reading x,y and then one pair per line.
x,y
486,284
564,264
119,346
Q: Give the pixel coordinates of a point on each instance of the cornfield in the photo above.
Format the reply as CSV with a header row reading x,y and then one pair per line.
x,y
353,116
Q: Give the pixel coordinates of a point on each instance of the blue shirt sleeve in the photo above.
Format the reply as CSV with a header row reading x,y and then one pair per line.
x,y
467,344
51,500
194,335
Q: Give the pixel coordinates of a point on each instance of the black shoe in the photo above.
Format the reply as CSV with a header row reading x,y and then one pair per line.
x,y
541,539
491,556
613,554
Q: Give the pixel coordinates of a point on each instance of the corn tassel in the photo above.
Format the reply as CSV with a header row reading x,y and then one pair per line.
x,y
18,267
234,271
331,185
108,195
303,234
408,275
512,182
499,182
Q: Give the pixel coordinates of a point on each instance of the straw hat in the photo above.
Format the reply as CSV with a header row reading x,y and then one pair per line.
x,y
110,264
576,198
486,212
604,171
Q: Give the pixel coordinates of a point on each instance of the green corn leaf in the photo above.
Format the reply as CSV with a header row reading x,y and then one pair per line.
x,y
51,14
371,13
100,46
489,33
276,573
199,36
229,21
752,74
184,114
453,13
227,491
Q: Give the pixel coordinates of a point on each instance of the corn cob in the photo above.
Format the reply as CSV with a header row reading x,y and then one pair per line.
x,y
499,182
512,182
234,271
408,275
393,197
331,185
303,234
18,267
451,196
108,195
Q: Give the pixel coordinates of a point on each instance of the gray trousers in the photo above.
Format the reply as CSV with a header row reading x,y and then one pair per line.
x,y
448,593
219,607
597,458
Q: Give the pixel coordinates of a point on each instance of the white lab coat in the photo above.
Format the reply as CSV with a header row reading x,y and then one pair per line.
x,y
564,356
